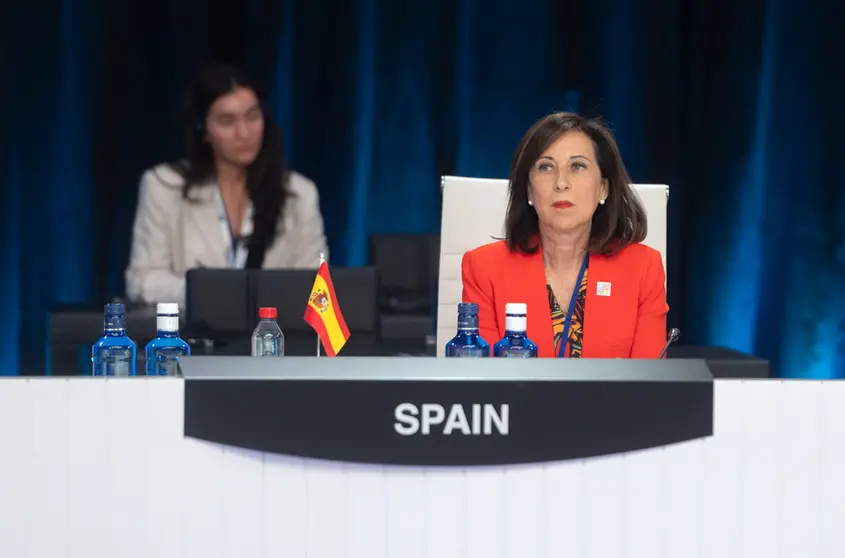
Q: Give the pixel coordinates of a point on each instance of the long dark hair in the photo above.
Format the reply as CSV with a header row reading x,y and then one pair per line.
x,y
266,177
620,221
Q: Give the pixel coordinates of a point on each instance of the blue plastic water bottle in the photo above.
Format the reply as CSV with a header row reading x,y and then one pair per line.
x,y
164,351
114,354
515,343
467,343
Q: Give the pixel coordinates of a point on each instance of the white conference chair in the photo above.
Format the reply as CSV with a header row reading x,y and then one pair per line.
x,y
474,214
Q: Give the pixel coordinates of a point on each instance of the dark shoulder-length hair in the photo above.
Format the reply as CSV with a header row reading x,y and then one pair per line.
x,y
620,221
266,177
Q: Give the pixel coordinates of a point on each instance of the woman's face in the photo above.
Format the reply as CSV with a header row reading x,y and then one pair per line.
x,y
235,127
565,183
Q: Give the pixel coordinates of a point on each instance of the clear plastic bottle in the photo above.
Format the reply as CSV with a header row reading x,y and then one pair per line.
x,y
114,354
515,343
268,339
163,352
467,343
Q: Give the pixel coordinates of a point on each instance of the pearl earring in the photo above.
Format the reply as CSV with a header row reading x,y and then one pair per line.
x,y
530,202
601,202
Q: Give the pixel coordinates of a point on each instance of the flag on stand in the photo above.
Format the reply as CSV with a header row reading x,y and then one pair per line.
x,y
323,313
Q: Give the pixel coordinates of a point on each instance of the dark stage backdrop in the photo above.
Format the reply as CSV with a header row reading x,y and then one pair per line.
x,y
736,105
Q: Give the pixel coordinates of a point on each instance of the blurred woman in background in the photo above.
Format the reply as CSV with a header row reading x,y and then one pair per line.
x,y
230,203
573,250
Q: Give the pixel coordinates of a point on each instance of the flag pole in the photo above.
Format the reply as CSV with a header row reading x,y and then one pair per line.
x,y
322,260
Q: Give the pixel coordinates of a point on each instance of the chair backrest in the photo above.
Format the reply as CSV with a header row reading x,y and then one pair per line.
x,y
222,304
407,271
357,295
463,229
217,302
288,289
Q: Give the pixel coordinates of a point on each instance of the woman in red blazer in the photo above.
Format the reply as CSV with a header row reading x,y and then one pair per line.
x,y
572,251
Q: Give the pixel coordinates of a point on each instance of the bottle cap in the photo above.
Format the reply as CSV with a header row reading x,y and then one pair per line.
x,y
167,308
115,309
467,308
516,308
267,313
114,317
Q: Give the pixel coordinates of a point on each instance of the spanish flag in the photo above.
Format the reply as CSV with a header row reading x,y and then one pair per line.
x,y
323,313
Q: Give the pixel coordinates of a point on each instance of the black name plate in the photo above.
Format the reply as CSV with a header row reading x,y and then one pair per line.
x,y
449,412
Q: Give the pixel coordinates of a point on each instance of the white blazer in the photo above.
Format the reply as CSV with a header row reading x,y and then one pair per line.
x,y
172,235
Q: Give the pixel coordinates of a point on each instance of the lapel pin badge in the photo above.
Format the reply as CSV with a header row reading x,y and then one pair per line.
x,y
603,288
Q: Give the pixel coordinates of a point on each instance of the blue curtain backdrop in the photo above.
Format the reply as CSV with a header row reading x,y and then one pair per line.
x,y
736,105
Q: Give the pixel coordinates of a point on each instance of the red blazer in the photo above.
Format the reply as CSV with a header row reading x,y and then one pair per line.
x,y
629,323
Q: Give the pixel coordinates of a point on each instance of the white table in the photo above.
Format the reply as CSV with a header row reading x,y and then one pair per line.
x,y
100,468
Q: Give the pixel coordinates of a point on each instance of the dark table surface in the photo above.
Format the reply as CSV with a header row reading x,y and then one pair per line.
x,y
74,329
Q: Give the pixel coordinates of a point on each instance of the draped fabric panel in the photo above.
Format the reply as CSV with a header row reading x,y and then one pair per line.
x,y
735,105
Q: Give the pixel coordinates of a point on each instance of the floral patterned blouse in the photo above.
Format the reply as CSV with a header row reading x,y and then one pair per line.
x,y
575,338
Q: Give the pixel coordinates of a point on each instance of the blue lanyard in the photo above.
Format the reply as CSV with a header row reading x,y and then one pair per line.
x,y
237,253
566,325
